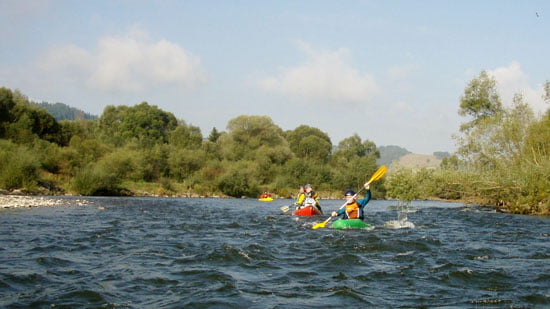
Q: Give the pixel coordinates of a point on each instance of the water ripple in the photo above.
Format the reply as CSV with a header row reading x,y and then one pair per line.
x,y
172,253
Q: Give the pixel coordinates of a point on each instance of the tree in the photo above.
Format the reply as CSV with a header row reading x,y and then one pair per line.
x,y
309,142
214,135
238,180
186,136
6,105
352,147
246,134
480,100
147,124
184,162
354,161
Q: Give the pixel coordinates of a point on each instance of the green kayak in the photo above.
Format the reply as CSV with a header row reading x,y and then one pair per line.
x,y
349,224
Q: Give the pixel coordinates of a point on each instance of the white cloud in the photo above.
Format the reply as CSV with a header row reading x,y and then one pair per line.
x,y
326,76
125,64
512,80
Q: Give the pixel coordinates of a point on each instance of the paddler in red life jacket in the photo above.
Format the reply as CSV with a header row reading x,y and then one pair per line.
x,y
309,194
353,208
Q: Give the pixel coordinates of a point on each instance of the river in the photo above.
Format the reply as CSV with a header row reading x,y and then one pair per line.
x,y
242,253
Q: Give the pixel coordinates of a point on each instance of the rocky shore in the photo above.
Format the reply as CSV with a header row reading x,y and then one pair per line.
x,y
21,201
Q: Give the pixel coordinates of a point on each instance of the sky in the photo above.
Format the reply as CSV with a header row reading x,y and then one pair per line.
x,y
391,72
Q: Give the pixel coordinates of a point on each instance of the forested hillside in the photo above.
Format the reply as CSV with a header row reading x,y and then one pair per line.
x,y
62,111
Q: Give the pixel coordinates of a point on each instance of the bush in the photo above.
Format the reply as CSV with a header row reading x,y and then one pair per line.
x,y
237,181
402,185
95,180
18,167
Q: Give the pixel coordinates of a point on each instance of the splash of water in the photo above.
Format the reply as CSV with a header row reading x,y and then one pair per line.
x,y
402,219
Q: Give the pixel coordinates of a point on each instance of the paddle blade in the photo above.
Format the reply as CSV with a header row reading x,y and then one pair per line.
x,y
285,208
378,174
321,225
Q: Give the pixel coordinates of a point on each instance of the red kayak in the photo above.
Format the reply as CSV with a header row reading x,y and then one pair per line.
x,y
307,211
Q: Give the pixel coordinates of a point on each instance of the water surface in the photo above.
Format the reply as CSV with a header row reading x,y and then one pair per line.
x,y
223,253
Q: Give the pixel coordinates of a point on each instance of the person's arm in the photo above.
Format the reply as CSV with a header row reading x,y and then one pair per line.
x,y
364,201
339,212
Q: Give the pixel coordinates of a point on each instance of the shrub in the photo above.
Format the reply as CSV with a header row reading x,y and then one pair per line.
x,y
238,181
95,180
18,167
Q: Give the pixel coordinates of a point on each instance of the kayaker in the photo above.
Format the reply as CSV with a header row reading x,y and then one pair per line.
x,y
300,197
309,193
353,208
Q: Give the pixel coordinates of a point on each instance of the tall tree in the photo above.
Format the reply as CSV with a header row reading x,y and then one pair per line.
x,y
214,135
480,100
6,105
310,143
145,123
245,134
186,136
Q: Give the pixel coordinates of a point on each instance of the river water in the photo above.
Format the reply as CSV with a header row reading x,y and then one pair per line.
x,y
233,253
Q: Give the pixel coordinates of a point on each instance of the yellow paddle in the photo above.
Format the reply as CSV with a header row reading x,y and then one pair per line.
x,y
377,175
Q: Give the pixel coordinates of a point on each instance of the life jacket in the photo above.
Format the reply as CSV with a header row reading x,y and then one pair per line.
x,y
312,195
301,198
309,201
352,210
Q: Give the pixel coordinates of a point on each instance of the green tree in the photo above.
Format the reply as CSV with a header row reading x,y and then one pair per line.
x,y
31,122
214,135
352,147
80,153
23,123
6,105
145,123
245,134
480,100
183,163
186,136
354,162
308,142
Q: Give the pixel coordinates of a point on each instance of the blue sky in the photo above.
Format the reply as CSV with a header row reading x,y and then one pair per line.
x,y
390,71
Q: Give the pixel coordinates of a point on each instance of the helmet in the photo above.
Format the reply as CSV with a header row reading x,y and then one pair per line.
x,y
350,192
308,186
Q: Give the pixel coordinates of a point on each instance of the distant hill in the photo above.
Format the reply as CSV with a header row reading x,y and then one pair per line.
x,y
415,161
395,156
62,111
390,153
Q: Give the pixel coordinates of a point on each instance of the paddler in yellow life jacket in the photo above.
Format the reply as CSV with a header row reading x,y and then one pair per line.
x,y
300,198
309,194
353,208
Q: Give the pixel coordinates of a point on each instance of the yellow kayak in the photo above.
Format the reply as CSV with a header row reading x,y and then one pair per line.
x,y
265,199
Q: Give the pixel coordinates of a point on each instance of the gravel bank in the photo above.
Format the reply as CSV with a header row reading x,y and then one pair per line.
x,y
16,201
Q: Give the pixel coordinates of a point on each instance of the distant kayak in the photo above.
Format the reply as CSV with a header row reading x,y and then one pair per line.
x,y
350,224
265,199
307,211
